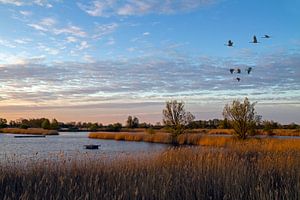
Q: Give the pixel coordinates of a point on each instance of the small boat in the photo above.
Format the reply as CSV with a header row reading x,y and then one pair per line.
x,y
92,146
29,136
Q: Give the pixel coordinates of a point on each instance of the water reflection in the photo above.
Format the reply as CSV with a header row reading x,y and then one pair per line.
x,y
68,145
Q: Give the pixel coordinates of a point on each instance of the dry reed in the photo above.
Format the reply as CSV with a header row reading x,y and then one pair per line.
x,y
240,171
31,131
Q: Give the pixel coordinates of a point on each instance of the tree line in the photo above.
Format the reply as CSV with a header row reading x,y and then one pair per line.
x,y
239,115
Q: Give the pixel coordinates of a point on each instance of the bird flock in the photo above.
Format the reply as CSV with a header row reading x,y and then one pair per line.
x,y
249,69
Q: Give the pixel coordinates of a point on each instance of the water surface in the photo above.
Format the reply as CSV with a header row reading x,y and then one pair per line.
x,y
68,145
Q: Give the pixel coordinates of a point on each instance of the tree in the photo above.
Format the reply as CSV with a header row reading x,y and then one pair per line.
x,y
46,124
93,127
54,124
132,122
242,117
3,123
176,118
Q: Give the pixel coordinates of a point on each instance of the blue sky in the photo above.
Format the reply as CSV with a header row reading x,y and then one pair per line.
x,y
103,60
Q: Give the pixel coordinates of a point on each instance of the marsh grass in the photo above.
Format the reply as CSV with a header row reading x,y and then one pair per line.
x,y
239,171
31,131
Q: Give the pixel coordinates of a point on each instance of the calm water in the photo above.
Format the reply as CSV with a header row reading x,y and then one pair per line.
x,y
68,145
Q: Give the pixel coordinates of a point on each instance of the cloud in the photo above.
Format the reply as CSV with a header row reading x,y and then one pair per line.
x,y
146,33
50,25
106,8
43,3
6,43
104,29
25,12
13,2
83,45
71,39
32,82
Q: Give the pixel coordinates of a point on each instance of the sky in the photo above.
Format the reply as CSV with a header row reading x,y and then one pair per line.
x,y
103,60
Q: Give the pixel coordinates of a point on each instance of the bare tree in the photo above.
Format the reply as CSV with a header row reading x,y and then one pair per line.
x,y
132,122
176,118
242,117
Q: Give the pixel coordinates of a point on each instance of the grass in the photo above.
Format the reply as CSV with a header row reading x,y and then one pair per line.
x,y
255,169
30,131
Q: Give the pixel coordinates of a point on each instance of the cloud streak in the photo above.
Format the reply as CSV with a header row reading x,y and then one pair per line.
x,y
147,78
106,8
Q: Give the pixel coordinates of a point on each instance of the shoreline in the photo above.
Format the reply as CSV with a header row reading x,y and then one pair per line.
x,y
29,131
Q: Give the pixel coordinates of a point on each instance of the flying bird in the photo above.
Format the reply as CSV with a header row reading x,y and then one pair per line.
x,y
230,43
266,36
254,40
231,71
248,70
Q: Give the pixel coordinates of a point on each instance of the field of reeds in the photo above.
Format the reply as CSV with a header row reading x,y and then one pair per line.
x,y
30,131
275,132
255,169
165,138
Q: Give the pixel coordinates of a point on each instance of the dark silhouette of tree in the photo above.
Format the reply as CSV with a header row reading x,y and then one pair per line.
x,y
176,118
3,123
132,122
242,117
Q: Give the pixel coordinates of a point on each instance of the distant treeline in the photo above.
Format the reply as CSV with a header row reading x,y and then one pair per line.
x,y
132,122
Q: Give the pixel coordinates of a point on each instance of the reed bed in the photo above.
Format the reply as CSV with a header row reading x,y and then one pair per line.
x,y
198,139
236,172
164,138
275,132
30,131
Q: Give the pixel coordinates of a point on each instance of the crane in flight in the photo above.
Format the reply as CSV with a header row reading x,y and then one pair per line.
x,y
266,36
254,40
229,44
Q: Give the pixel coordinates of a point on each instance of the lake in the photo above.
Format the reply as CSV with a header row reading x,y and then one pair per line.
x,y
68,145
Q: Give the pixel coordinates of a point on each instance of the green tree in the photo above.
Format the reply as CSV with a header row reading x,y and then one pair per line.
x,y
176,118
242,117
93,127
54,124
46,124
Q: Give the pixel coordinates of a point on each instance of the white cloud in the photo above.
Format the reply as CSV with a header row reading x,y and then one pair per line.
x,y
47,22
7,44
96,8
50,25
13,2
146,33
22,41
38,27
25,12
70,29
105,8
104,29
71,39
43,3
83,45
